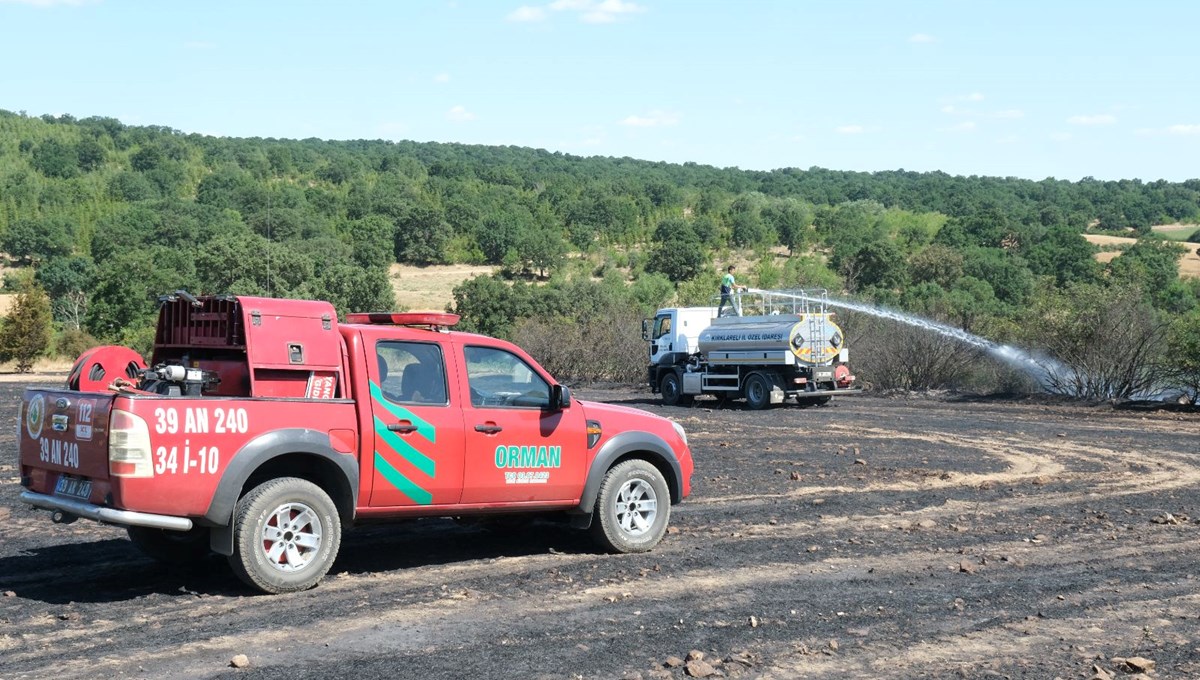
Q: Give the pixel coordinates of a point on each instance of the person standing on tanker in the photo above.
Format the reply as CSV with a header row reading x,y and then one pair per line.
x,y
728,285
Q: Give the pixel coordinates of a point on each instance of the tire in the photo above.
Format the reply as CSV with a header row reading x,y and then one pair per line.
x,y
632,509
758,392
821,401
672,391
296,557
174,548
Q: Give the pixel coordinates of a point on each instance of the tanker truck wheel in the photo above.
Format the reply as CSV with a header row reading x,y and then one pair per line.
x,y
758,392
672,391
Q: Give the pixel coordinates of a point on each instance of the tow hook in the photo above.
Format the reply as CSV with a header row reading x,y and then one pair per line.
x,y
60,517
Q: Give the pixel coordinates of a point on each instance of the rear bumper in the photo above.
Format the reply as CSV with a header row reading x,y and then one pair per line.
x,y
106,515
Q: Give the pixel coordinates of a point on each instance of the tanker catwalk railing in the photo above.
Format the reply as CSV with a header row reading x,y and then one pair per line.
x,y
757,302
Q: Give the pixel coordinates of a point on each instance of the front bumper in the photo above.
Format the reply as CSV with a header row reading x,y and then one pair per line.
x,y
106,515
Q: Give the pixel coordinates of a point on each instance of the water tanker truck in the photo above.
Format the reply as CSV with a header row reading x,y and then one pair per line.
x,y
770,347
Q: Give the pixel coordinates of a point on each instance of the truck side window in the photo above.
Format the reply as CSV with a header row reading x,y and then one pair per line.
x,y
499,378
412,372
662,326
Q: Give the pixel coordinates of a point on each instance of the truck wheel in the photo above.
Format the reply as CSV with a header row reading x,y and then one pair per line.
x,y
632,509
176,548
286,534
672,391
758,392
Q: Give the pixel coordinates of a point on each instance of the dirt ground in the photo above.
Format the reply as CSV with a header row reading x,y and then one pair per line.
x,y
870,538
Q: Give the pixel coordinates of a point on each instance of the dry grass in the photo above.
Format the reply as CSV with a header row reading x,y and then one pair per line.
x,y
431,288
1189,262
1176,231
45,371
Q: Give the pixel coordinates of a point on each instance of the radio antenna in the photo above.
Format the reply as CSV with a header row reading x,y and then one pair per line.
x,y
269,243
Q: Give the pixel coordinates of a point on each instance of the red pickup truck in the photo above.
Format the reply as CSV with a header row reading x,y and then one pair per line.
x,y
265,426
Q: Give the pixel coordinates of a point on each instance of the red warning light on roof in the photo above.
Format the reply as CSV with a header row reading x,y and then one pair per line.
x,y
404,318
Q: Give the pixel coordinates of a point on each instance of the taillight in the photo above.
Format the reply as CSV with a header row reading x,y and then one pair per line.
x,y
128,446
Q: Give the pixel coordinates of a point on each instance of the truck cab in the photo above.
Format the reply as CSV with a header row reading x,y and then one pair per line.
x,y
676,331
264,426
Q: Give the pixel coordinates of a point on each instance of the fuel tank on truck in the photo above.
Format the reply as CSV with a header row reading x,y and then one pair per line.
x,y
810,339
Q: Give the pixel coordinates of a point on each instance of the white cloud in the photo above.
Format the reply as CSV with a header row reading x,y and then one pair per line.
x,y
655,118
1179,130
459,114
1008,139
852,129
974,97
921,38
525,13
1060,136
589,11
442,78
1009,113
51,3
1099,119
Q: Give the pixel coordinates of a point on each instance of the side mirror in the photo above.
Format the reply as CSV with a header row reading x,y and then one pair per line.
x,y
646,329
560,398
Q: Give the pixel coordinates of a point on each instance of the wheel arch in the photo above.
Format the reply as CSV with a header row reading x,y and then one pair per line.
x,y
625,446
294,452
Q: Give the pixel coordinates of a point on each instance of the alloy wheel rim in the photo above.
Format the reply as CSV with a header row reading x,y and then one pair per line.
x,y
637,507
291,537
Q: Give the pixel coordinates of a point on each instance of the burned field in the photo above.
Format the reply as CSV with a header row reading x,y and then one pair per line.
x,y
868,538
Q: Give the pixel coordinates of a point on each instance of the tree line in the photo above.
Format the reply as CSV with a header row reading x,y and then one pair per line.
x,y
107,216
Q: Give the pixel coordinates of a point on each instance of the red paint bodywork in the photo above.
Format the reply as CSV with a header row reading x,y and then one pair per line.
x,y
289,365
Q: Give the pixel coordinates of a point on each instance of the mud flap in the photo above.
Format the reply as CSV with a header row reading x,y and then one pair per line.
x,y
580,520
220,539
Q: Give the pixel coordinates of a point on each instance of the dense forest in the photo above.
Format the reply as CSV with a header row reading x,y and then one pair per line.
x,y
98,218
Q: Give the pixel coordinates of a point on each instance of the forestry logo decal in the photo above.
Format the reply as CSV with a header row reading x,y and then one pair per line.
x,y
33,416
528,457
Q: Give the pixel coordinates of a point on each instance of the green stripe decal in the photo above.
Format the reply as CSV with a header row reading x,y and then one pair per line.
x,y
405,450
403,484
424,427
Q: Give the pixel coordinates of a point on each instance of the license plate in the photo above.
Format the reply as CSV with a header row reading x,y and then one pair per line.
x,y
73,486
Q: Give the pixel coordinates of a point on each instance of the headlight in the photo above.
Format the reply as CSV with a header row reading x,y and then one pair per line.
x,y
679,431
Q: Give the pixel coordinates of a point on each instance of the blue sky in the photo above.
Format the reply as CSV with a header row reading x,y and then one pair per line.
x,y
1013,88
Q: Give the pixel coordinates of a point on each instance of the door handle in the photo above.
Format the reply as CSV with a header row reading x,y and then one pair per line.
x,y
489,428
403,427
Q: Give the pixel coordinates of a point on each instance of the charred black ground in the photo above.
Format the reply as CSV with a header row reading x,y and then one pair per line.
x,y
868,538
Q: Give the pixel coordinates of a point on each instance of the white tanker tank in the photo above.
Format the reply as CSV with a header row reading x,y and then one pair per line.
x,y
812,339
